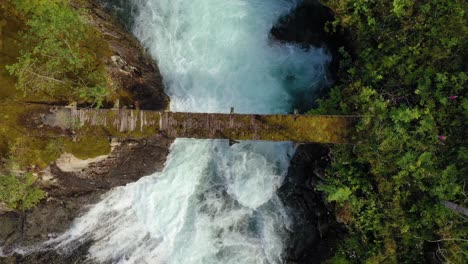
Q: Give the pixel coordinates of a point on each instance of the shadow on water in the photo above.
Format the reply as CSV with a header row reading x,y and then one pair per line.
x,y
305,26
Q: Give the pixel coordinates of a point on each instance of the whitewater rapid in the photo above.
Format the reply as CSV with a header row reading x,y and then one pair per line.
x,y
212,203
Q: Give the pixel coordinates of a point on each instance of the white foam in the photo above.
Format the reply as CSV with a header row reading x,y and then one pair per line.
x,y
212,203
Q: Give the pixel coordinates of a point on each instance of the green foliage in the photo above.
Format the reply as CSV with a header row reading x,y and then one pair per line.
x,y
19,192
29,7
31,152
407,76
37,153
59,58
88,147
335,194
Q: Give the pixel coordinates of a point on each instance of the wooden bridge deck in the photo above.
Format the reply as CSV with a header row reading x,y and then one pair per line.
x,y
139,123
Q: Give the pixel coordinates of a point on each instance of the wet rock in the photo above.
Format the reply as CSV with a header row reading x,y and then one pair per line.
x,y
11,222
78,255
305,26
131,70
315,231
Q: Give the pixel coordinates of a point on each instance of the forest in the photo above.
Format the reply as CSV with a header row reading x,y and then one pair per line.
x,y
404,69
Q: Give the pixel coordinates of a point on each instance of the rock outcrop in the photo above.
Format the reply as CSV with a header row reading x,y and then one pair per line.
x,y
131,70
315,231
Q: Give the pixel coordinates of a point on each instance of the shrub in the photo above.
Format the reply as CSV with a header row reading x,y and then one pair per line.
x,y
19,192
59,56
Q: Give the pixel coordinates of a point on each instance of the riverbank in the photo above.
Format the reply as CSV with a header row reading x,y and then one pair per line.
x,y
312,238
76,172
316,232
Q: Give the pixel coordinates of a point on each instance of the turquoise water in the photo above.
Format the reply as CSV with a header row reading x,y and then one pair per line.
x,y
212,203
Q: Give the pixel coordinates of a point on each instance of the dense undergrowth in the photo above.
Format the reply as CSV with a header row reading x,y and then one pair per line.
x,y
404,71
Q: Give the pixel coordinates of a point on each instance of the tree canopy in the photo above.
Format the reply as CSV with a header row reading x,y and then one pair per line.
x,y
61,54
405,70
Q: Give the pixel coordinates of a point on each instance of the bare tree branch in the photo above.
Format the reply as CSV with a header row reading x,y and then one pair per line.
x,y
455,207
45,77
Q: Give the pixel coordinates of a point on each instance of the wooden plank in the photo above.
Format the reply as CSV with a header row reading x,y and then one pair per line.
x,y
136,124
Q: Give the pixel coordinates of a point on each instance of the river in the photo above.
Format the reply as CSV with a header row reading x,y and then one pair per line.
x,y
212,203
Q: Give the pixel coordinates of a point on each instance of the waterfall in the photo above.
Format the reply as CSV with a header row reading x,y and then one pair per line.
x,y
212,203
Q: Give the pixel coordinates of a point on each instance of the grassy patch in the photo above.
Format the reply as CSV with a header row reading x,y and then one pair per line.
x,y
88,147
